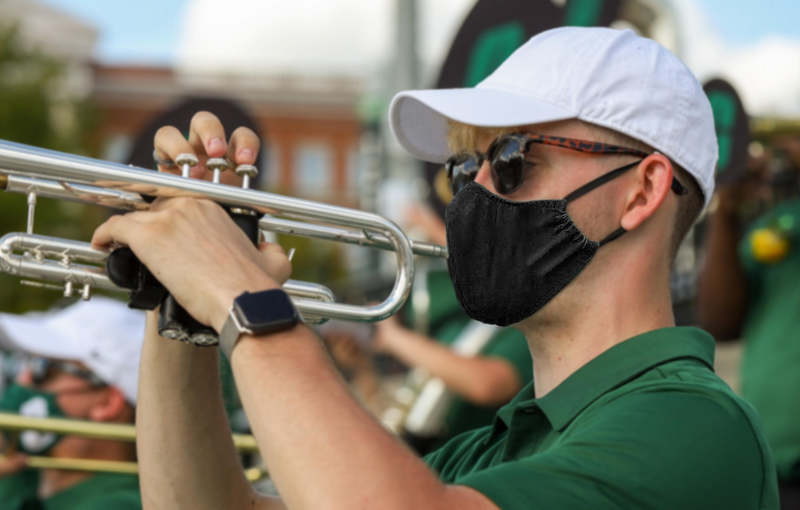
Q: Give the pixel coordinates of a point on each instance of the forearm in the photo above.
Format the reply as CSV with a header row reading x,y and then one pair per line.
x,y
722,288
322,449
184,440
481,380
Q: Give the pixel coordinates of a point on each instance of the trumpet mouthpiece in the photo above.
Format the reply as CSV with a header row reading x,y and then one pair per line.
x,y
3,181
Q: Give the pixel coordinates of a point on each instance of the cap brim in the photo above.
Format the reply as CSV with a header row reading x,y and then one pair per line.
x,y
33,334
419,118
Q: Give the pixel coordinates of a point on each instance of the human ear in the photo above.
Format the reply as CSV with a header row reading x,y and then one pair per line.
x,y
649,184
109,406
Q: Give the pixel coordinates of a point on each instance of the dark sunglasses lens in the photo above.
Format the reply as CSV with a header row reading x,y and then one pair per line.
x,y
39,368
462,171
508,163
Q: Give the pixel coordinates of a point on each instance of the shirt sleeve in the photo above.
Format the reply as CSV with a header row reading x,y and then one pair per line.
x,y
511,345
659,451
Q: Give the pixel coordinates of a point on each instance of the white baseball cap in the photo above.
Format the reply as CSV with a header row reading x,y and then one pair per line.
x,y
103,334
602,76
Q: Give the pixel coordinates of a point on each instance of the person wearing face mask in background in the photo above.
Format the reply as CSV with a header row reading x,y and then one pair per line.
x,y
81,363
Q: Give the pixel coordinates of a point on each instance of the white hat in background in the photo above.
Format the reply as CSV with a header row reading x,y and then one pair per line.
x,y
602,76
103,334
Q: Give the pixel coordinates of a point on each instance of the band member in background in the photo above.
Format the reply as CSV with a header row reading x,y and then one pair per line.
x,y
81,362
482,383
625,410
750,289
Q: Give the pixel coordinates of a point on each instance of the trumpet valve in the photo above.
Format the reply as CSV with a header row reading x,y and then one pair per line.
x,y
246,172
69,288
186,162
86,293
217,165
204,339
174,333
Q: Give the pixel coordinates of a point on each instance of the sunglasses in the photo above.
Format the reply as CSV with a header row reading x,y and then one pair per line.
x,y
42,368
506,156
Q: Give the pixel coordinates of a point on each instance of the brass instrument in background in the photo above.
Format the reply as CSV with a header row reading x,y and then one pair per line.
x,y
15,423
420,405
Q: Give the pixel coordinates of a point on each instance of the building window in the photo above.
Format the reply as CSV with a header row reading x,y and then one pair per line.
x,y
313,169
272,180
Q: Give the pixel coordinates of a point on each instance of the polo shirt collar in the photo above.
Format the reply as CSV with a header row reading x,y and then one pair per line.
x,y
612,369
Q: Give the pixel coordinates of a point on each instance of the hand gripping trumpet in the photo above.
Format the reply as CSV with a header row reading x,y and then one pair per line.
x,y
76,267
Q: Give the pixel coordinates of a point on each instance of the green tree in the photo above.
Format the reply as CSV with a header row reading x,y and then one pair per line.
x,y
33,111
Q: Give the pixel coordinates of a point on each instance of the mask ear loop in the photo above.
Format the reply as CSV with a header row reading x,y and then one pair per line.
x,y
603,179
592,185
613,235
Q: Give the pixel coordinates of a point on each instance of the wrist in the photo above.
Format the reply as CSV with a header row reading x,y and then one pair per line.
x,y
227,296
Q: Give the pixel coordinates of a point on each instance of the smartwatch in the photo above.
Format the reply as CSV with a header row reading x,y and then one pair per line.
x,y
257,314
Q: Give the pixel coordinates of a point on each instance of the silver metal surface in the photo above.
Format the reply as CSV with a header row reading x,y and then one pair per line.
x,y
217,165
31,210
368,229
134,202
246,172
361,238
186,162
18,159
166,163
57,260
76,193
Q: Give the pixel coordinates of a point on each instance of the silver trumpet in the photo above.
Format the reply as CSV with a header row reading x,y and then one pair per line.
x,y
74,266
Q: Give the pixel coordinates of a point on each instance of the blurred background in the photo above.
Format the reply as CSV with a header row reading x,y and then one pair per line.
x,y
314,79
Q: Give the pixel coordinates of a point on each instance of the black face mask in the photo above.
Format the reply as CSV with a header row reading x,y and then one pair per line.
x,y
508,259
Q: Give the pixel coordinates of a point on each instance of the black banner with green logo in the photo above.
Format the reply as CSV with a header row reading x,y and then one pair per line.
x,y
492,31
733,130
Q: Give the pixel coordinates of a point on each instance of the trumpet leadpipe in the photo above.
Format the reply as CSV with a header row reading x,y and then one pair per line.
x,y
134,202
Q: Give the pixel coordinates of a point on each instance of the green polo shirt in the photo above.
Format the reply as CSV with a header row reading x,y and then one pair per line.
x,y
647,424
102,491
771,361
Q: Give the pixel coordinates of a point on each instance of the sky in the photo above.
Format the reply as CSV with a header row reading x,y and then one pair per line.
x,y
148,31
742,22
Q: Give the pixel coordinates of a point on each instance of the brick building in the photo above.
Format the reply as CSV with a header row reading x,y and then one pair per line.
x,y
309,125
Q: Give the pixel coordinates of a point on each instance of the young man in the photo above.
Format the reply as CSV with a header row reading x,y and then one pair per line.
x,y
624,411
81,362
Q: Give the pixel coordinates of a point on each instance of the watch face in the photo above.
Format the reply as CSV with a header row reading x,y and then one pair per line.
x,y
265,311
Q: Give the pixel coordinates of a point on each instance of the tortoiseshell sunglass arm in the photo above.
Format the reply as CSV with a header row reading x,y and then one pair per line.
x,y
595,148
